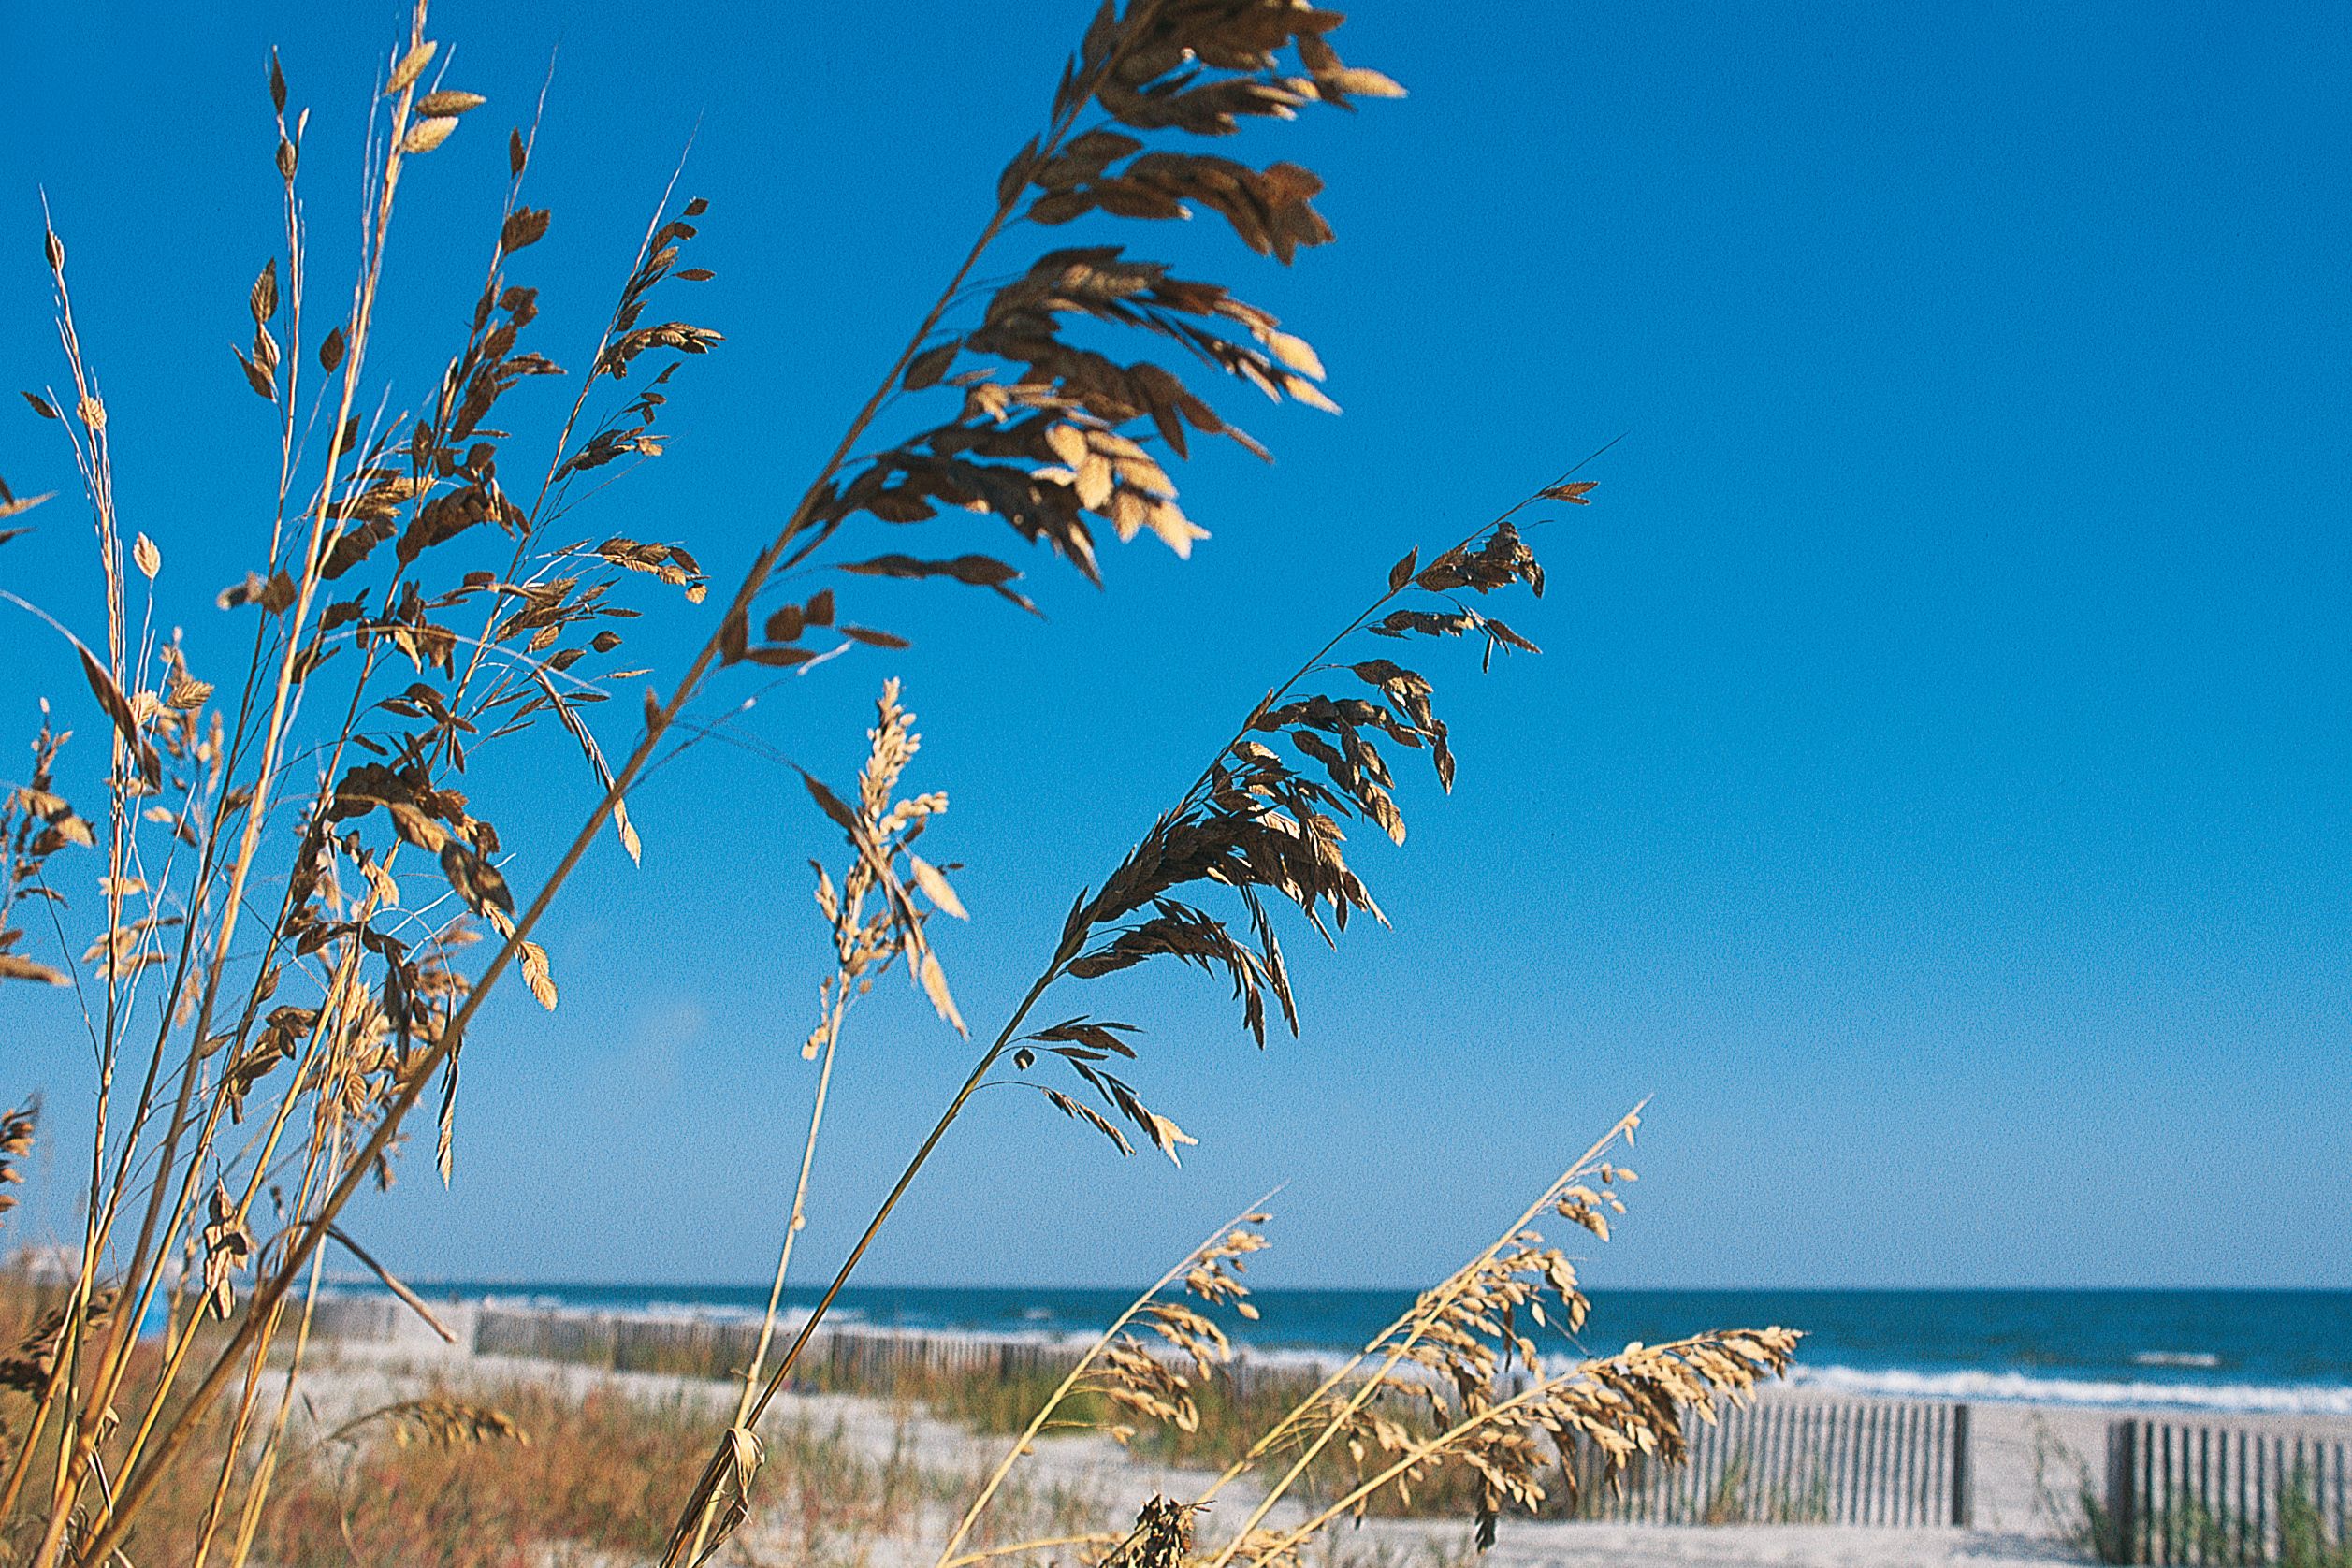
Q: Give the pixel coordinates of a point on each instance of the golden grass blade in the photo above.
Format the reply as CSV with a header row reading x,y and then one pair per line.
x,y
722,1499
408,1298
439,1421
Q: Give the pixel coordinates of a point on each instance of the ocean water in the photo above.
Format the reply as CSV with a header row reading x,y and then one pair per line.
x,y
2289,1352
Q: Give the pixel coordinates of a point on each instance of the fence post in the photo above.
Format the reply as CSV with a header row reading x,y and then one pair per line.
x,y
1963,1477
2122,1470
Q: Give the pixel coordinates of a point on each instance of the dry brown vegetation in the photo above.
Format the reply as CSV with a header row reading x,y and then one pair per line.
x,y
280,972
491,1476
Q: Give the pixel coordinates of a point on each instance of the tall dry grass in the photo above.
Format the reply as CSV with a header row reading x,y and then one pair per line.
x,y
1430,1398
507,1472
412,613
302,912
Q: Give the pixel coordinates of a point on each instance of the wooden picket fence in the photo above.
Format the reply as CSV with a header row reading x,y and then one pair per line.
x,y
839,1357
1802,1461
1792,1458
2219,1494
358,1317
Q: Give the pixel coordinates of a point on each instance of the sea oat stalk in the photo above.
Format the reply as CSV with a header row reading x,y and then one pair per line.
x,y
870,931
1132,1376
1247,802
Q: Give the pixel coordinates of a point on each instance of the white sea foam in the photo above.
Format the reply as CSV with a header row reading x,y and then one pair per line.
x,y
2024,1388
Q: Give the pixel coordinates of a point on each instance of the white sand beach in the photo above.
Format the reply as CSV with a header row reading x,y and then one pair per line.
x,y
2029,1463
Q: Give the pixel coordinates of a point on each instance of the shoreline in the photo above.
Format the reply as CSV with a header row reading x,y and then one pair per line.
x,y
2175,1398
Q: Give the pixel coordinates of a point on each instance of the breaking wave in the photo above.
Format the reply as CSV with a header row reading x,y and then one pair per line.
x,y
2024,1388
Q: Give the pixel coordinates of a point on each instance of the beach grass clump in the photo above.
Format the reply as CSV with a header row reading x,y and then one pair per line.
x,y
471,1480
289,856
513,1472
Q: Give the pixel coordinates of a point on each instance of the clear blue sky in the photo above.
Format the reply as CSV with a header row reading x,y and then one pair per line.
x,y
1935,787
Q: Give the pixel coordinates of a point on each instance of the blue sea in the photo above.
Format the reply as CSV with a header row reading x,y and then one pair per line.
x,y
2289,1352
